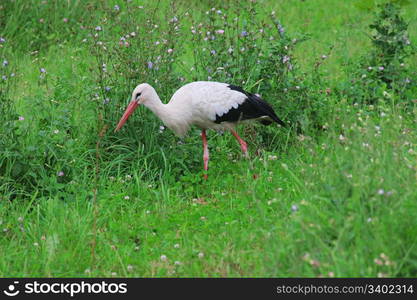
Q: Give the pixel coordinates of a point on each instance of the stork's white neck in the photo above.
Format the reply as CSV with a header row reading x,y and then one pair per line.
x,y
155,104
168,114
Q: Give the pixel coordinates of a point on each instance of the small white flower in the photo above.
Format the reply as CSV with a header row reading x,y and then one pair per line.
x,y
200,255
164,257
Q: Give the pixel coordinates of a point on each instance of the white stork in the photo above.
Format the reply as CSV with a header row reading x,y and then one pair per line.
x,y
206,104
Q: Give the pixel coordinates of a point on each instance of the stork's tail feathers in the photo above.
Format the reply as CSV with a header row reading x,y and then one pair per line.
x,y
267,109
263,107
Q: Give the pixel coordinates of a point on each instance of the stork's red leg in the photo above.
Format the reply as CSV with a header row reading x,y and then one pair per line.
x,y
205,152
242,143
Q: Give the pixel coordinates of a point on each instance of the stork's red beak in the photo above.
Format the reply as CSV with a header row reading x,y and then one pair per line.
x,y
129,110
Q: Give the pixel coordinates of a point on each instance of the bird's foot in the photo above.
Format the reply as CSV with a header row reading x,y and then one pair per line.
x,y
244,148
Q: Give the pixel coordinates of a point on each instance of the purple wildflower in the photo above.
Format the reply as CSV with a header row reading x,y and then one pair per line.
x,y
98,28
60,173
42,70
281,29
150,65
107,88
5,63
2,40
244,33
116,7
285,59
21,118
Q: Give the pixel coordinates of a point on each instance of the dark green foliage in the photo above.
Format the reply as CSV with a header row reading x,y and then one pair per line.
x,y
386,67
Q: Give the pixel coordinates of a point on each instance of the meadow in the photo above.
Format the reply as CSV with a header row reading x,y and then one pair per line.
x,y
332,195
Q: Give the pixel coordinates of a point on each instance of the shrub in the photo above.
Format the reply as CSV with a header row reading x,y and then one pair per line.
x,y
385,69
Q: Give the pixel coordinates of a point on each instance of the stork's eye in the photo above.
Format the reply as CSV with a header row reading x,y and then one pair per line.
x,y
137,95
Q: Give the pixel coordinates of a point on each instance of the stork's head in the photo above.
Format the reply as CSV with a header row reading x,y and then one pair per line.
x,y
140,95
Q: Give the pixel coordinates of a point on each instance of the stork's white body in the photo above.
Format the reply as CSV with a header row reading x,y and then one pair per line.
x,y
206,104
197,103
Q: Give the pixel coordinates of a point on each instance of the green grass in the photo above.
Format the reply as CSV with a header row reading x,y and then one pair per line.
x,y
339,202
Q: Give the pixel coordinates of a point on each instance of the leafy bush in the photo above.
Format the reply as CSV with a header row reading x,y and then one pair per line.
x,y
385,69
